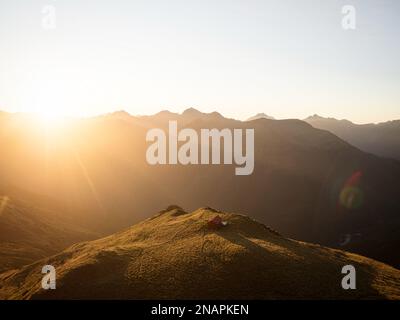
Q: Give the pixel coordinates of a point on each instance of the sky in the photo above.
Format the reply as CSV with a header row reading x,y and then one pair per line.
x,y
286,58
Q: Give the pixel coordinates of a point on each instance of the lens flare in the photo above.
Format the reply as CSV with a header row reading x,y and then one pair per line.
x,y
351,196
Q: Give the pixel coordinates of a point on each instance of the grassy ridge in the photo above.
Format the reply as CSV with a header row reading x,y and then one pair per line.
x,y
174,255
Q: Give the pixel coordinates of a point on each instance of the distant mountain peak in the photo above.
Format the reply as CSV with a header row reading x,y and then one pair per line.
x,y
216,114
121,113
191,111
261,115
315,117
194,113
164,112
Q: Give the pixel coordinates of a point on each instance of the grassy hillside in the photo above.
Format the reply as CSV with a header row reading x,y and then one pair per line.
x,y
175,255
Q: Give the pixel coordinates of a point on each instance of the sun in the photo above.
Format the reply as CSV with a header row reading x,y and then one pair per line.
x,y
52,97
50,118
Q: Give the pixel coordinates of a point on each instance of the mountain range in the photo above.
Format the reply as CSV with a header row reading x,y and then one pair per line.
x,y
381,139
307,183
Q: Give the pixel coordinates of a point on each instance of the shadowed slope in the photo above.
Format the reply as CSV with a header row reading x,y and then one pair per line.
x,y
29,232
174,255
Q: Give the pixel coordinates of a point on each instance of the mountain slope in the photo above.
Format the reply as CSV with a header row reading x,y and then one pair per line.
x,y
29,232
176,255
381,139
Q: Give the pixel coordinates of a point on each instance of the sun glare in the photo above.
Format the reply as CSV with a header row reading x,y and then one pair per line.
x,y
50,119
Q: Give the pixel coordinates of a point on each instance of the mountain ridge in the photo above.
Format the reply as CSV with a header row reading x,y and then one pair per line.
x,y
378,138
176,255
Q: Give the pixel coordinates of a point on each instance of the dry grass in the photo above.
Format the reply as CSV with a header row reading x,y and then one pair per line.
x,y
175,256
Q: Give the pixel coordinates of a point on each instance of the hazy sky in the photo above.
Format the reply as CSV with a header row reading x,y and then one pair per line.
x,y
289,59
